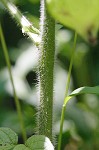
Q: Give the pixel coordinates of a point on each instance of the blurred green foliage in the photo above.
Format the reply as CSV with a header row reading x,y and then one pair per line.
x,y
71,14
81,126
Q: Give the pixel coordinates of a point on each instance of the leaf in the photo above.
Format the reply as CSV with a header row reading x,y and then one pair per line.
x,y
7,136
36,142
83,90
8,139
21,147
8,147
82,16
39,142
86,90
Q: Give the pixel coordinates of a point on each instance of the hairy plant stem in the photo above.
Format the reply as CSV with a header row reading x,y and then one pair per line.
x,y
11,78
66,94
46,67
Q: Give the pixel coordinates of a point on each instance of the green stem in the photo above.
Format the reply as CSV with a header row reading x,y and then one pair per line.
x,y
46,66
67,88
22,21
11,78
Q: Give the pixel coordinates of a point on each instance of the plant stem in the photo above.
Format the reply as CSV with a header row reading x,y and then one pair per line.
x,y
11,78
46,67
67,88
26,26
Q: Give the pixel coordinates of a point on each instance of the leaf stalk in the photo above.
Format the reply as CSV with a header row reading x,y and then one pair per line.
x,y
66,93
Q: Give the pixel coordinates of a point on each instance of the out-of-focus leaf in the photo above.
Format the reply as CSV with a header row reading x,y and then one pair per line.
x,y
78,117
34,1
82,16
10,119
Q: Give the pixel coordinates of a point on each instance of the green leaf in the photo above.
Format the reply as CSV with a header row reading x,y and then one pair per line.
x,y
8,147
86,90
39,142
82,16
36,142
83,90
8,139
21,147
7,136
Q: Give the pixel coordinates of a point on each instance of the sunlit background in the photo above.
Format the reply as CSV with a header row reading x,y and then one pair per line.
x,y
81,125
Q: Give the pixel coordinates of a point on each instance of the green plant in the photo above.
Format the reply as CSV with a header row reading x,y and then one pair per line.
x,y
45,68
45,42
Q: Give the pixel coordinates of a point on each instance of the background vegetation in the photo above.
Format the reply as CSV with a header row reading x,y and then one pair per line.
x,y
81,126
